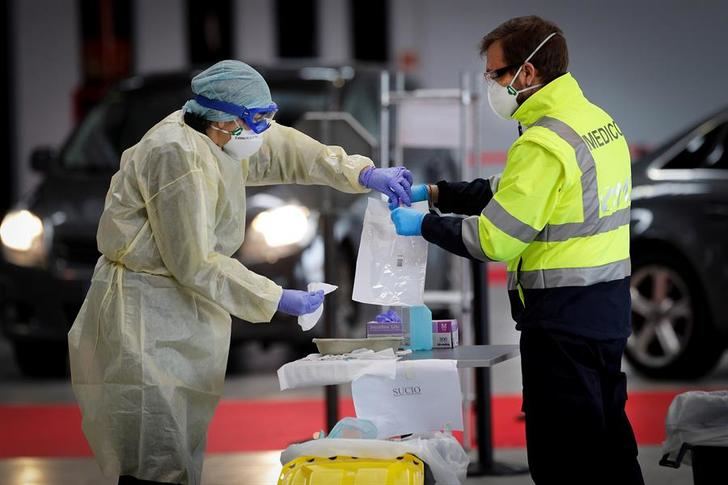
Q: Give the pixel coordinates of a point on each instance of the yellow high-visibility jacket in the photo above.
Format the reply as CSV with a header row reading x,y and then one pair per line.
x,y
558,215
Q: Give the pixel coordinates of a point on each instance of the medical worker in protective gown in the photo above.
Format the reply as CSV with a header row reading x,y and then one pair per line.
x,y
149,347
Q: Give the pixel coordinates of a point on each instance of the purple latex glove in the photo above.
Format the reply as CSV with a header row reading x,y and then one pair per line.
x,y
388,317
394,182
297,302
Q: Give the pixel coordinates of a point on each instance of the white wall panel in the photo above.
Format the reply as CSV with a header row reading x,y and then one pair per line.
x,y
47,57
161,35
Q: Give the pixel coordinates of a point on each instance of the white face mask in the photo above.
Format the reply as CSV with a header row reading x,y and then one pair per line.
x,y
503,99
244,145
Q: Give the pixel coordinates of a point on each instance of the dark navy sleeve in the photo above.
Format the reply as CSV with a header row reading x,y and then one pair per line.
x,y
467,198
446,232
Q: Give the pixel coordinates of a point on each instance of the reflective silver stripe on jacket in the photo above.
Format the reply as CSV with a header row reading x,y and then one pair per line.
x,y
471,238
502,220
507,223
493,181
555,278
564,232
512,280
592,224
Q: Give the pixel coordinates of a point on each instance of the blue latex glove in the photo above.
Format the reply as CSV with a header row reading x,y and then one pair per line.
x,y
388,317
394,182
419,193
297,302
407,222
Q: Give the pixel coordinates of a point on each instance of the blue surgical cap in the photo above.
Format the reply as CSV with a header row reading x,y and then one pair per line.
x,y
231,81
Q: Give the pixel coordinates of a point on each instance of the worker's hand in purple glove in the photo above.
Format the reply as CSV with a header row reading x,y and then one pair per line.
x,y
388,317
394,182
297,302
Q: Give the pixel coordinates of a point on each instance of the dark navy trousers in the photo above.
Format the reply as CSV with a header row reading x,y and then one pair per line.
x,y
574,395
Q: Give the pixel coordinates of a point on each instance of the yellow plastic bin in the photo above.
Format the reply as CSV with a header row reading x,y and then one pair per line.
x,y
350,470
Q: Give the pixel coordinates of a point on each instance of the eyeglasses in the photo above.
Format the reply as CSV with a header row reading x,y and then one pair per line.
x,y
494,74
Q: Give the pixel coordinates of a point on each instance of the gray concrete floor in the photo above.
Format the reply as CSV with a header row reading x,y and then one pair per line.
x,y
263,469
258,380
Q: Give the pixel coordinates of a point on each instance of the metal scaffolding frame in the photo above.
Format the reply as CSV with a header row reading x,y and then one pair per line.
x,y
467,148
471,301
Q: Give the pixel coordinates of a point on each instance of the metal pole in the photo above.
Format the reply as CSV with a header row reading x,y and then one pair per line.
x,y
477,110
483,411
397,148
331,393
485,465
384,120
330,274
399,81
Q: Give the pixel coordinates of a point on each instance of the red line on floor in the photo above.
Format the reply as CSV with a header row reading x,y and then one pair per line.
x,y
238,426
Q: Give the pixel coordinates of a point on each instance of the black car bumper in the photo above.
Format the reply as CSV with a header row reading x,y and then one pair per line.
x,y
38,305
286,273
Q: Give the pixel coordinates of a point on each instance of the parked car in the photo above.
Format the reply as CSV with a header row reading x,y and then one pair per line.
x,y
680,253
49,240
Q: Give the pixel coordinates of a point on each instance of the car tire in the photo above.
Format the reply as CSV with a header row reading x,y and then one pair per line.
x,y
673,333
43,360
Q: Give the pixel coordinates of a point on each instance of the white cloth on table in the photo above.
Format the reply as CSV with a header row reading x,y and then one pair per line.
x,y
325,370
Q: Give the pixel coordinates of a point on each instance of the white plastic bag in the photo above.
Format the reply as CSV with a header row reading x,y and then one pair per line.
x,y
441,451
696,418
354,428
390,269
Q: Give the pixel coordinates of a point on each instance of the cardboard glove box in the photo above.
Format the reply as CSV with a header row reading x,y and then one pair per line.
x,y
445,333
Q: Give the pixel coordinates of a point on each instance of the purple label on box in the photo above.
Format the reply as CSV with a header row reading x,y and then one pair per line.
x,y
377,328
444,326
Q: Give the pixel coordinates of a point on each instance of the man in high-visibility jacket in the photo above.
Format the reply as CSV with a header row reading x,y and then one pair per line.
x,y
559,216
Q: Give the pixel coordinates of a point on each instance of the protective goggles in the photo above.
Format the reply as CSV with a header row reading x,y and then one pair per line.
x,y
257,119
491,76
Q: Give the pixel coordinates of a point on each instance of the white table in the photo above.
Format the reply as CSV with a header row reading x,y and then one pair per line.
x,y
471,356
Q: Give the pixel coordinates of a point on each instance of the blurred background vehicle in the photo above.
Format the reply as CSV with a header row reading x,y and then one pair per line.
x,y
679,253
49,239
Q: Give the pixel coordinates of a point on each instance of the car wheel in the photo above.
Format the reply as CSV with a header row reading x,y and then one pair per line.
x,y
42,359
672,332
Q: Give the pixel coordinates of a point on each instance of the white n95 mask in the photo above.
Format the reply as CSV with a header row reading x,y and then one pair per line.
x,y
244,145
503,99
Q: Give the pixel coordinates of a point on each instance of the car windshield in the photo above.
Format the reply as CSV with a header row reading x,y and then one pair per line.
x,y
359,97
294,100
118,123
123,117
708,148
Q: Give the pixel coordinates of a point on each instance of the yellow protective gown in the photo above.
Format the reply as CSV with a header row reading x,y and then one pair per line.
x,y
149,347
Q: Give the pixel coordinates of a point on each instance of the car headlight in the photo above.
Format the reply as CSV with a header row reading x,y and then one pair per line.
x,y
22,235
279,232
283,226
